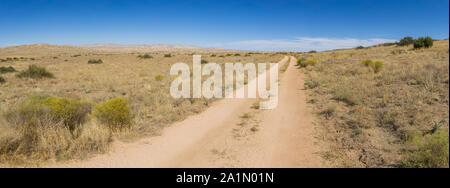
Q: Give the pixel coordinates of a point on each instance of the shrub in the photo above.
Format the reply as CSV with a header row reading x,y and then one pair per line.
x,y
213,55
256,105
378,66
375,66
237,54
330,110
360,47
115,113
406,41
310,84
429,151
423,42
312,51
167,55
41,138
95,61
7,69
35,71
367,62
428,41
71,112
2,80
346,95
306,62
159,77
40,108
204,61
145,56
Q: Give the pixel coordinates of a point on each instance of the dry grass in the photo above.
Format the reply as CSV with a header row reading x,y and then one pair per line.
x,y
144,83
368,113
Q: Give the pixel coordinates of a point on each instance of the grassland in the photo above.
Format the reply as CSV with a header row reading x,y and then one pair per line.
x,y
393,114
143,82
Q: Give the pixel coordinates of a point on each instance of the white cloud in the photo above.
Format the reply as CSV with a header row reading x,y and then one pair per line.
x,y
301,44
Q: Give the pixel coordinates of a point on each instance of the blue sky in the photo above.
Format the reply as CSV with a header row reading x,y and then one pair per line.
x,y
296,25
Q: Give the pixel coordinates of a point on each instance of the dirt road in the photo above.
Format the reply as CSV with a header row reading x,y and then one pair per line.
x,y
229,134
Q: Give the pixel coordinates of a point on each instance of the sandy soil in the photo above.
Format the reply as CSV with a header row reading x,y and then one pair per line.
x,y
222,137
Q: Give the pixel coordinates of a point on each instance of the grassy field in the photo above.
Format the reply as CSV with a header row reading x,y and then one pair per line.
x,y
390,113
51,118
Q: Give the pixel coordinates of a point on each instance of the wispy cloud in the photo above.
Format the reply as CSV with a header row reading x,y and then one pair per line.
x,y
301,44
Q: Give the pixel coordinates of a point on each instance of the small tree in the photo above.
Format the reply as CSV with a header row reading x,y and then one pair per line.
x,y
406,41
428,42
423,42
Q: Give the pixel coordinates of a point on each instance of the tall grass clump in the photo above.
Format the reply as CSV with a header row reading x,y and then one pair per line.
x,y
145,56
115,113
159,77
9,69
95,61
374,66
302,62
2,80
43,127
429,151
71,113
36,72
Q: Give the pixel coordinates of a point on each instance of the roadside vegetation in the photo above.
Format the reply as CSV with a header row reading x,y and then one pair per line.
x,y
384,106
36,72
85,108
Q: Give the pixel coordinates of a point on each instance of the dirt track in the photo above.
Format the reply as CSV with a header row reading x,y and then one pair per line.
x,y
222,137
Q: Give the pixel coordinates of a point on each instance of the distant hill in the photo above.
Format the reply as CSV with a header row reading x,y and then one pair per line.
x,y
141,48
42,49
48,49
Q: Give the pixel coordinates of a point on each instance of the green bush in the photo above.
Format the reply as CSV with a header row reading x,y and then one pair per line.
x,y
145,56
312,51
40,108
36,72
306,62
95,61
213,55
406,41
423,42
375,66
159,77
167,55
7,69
429,151
204,61
115,113
237,54
360,47
71,112
2,80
